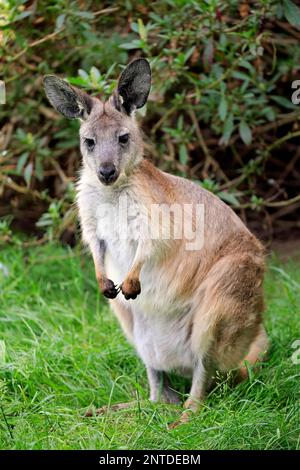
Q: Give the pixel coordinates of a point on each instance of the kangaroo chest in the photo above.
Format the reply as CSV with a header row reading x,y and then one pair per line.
x,y
118,224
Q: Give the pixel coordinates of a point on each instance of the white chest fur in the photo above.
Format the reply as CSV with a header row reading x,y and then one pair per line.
x,y
118,223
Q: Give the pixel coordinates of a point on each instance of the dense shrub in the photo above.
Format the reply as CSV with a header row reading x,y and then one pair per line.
x,y
220,111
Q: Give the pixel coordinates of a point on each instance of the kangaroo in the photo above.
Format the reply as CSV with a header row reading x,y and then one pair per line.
x,y
189,308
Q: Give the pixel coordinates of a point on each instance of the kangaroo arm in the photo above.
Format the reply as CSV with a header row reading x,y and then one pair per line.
x,y
131,286
107,287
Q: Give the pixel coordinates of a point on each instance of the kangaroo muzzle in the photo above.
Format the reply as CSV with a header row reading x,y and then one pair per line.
x,y
107,173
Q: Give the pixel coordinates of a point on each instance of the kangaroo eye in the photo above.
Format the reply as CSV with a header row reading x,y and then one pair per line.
x,y
123,139
90,143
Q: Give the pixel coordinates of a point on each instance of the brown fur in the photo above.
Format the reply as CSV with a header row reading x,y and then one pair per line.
x,y
189,310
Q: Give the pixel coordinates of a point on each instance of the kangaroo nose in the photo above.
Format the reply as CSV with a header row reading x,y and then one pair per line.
x,y
107,173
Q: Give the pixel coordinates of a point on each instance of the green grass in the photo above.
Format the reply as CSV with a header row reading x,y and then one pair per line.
x,y
65,352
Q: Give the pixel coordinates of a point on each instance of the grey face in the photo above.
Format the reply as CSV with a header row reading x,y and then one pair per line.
x,y
110,141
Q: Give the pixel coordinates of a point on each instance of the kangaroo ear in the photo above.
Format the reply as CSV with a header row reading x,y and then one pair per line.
x,y
68,100
133,86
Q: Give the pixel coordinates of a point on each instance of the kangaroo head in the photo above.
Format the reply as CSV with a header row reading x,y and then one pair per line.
x,y
110,140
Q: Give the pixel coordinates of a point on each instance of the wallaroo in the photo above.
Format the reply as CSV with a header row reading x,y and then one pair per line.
x,y
191,310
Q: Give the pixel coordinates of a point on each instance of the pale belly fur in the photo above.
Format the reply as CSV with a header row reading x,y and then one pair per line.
x,y
161,327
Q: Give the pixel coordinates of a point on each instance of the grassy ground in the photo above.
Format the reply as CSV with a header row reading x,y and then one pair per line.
x,y
65,352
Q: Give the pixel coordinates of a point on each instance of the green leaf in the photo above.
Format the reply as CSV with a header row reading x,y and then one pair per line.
x,y
291,12
247,65
135,44
39,170
210,185
245,133
23,15
95,74
223,107
2,352
227,130
78,81
28,173
256,201
188,54
142,30
84,75
21,162
135,27
269,113
228,197
282,101
180,122
60,22
44,222
183,154
84,14
240,76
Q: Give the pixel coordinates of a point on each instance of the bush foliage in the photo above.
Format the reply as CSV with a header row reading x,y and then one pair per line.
x,y
220,111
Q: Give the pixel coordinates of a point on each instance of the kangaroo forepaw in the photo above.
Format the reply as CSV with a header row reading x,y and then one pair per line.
x,y
131,288
109,289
